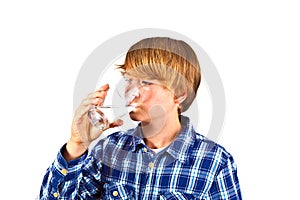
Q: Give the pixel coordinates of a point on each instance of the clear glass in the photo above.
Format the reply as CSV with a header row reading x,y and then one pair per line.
x,y
101,116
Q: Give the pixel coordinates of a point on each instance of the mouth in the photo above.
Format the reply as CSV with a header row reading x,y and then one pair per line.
x,y
135,105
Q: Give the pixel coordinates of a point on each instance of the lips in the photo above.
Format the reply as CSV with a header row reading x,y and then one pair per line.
x,y
134,104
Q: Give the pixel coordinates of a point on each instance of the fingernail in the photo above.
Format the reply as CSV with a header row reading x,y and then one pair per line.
x,y
119,122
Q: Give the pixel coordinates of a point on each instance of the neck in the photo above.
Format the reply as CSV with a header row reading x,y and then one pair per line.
x,y
161,132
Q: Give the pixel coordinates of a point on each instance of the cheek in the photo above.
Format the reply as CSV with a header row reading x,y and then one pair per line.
x,y
147,97
159,97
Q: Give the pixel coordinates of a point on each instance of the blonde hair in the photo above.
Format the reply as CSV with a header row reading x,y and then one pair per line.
x,y
172,62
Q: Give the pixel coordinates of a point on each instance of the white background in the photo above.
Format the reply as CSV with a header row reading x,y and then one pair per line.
x,y
254,45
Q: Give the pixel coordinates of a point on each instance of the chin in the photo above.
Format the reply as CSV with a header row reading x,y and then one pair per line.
x,y
135,116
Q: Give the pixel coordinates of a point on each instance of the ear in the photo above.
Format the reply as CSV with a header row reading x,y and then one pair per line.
x,y
180,98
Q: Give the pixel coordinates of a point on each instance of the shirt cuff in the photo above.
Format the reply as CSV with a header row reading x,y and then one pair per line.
x,y
63,169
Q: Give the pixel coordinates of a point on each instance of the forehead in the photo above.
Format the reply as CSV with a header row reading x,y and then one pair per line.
x,y
142,76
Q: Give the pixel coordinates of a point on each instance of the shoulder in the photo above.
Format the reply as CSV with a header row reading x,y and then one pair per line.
x,y
209,151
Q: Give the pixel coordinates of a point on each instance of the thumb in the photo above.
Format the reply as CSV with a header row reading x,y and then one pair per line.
x,y
116,123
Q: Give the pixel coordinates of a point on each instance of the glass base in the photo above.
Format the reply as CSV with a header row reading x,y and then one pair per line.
x,y
97,118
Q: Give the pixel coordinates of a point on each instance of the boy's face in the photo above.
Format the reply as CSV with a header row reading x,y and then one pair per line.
x,y
152,100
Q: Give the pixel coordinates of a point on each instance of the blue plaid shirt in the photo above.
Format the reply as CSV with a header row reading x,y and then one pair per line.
x,y
121,166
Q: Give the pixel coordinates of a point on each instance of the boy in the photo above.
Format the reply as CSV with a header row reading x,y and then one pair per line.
x,y
163,157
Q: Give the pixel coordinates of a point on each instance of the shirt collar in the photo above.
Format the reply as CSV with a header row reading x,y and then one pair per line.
x,y
137,138
178,149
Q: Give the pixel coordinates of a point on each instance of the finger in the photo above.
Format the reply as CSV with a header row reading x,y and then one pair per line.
x,y
97,94
91,101
104,88
116,123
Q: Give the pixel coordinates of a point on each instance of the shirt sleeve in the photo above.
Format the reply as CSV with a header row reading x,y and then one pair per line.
x,y
226,184
69,180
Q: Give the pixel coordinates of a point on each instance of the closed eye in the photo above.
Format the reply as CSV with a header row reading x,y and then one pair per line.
x,y
128,81
145,83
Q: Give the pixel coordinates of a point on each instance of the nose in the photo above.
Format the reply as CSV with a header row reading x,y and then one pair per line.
x,y
132,94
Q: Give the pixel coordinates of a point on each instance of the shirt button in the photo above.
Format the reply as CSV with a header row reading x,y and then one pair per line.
x,y
115,193
151,165
64,171
55,194
145,149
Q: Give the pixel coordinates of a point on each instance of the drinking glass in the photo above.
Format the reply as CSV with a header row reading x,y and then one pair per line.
x,y
101,116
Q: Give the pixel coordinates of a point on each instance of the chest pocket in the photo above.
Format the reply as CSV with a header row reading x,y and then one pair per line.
x,y
178,196
117,191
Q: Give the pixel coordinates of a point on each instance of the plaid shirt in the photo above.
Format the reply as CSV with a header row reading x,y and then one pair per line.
x,y
121,166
